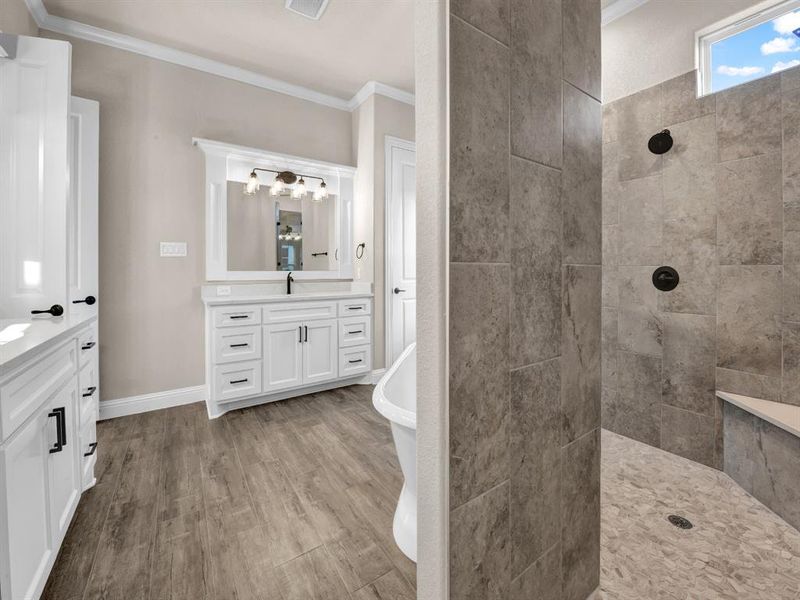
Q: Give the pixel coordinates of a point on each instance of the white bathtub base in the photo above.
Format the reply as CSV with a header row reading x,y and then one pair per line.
x,y
404,526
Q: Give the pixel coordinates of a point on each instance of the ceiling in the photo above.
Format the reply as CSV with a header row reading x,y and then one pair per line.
x,y
355,41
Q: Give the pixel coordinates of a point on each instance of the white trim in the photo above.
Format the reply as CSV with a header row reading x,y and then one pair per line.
x,y
133,405
618,9
193,61
389,143
725,28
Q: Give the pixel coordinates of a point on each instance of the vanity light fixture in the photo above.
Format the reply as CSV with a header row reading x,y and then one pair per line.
x,y
284,179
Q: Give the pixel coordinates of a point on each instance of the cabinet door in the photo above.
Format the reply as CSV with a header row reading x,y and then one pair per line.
x,y
30,544
82,158
283,356
320,351
63,464
34,101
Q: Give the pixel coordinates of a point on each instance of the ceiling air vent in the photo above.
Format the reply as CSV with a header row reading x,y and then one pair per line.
x,y
311,9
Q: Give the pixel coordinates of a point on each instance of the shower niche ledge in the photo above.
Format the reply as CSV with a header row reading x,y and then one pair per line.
x,y
785,416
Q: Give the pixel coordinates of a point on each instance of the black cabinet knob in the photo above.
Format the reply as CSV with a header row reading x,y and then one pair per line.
x,y
88,300
56,310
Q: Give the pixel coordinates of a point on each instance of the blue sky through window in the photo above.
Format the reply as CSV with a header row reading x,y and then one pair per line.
x,y
756,52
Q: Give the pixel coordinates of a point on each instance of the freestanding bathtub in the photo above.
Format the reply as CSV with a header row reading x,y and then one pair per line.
x,y
395,397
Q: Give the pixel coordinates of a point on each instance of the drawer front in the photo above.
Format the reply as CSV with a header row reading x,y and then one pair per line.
x,y
87,344
234,316
89,390
355,361
354,331
299,311
358,306
233,344
88,441
237,380
28,389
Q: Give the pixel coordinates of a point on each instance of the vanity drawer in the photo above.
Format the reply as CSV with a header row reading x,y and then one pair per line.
x,y
355,361
87,344
88,387
354,331
237,380
286,312
234,316
24,392
233,344
358,306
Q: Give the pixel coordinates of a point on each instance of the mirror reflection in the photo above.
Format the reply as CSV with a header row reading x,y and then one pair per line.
x,y
269,232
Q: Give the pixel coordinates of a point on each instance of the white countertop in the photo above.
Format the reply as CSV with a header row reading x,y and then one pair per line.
x,y
20,339
785,416
268,298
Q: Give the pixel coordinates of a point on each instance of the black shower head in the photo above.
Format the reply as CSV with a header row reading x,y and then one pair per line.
x,y
660,143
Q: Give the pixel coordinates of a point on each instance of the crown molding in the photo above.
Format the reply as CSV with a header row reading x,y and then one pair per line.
x,y
192,61
619,8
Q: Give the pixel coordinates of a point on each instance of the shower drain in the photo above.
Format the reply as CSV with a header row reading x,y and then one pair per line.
x,y
679,521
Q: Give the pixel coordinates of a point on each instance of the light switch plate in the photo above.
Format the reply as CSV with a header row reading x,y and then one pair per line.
x,y
173,249
223,290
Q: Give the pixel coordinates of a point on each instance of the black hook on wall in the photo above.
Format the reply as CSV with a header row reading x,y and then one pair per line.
x,y
360,249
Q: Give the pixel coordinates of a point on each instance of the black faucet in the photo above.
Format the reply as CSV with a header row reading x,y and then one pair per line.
x,y
289,280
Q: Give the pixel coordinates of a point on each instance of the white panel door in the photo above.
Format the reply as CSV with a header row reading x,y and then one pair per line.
x,y
30,543
401,247
64,460
34,105
320,351
82,204
283,356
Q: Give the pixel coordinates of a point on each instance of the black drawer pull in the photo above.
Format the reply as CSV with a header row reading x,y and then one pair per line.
x,y
358,331
88,346
354,361
355,308
238,381
61,429
92,449
239,345
238,316
89,391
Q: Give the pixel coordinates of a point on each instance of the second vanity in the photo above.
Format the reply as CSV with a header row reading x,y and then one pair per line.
x,y
262,348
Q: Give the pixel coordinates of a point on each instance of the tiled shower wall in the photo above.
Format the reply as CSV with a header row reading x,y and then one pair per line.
x,y
723,208
525,284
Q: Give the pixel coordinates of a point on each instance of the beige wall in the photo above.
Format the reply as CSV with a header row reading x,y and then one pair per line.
x,y
655,42
151,190
15,18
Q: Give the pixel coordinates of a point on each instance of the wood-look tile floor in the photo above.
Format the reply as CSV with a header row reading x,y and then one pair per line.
x,y
737,550
288,501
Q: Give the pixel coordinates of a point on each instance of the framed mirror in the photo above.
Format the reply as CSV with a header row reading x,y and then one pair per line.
x,y
269,213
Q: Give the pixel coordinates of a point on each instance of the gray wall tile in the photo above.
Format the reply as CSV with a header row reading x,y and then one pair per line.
x,y
748,119
749,384
638,117
580,516
740,445
688,434
535,455
689,170
748,324
641,218
689,363
609,347
581,339
640,327
582,178
791,144
750,220
790,79
581,49
479,146
635,411
690,248
775,477
791,292
681,102
479,379
490,16
790,391
612,190
480,551
535,263
542,580
536,107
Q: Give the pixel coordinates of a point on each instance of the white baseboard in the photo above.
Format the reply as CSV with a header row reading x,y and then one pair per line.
x,y
373,377
132,405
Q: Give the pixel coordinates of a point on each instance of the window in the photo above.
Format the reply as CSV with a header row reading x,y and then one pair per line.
x,y
750,45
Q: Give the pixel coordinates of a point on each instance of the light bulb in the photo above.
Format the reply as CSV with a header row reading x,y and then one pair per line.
x,y
252,185
277,187
321,192
300,189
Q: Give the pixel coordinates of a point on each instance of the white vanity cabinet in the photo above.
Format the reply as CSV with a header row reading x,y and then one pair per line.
x,y
283,347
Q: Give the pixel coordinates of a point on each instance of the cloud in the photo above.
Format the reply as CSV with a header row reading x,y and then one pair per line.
x,y
787,23
739,71
780,66
779,45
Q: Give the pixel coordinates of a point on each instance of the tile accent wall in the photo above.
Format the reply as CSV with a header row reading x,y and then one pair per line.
x,y
723,208
525,285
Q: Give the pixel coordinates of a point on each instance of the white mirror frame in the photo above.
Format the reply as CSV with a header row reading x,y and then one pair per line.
x,y
228,162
